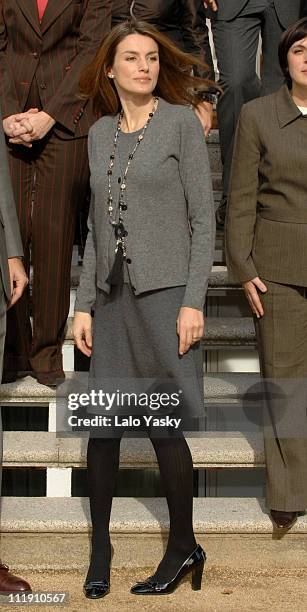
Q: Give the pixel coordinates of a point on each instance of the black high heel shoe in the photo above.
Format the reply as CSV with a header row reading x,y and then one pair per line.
x,y
94,589
194,564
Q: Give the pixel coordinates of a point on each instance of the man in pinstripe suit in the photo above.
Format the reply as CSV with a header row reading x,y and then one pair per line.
x,y
44,44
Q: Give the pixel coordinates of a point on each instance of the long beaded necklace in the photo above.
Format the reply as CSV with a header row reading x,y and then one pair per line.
x,y
119,229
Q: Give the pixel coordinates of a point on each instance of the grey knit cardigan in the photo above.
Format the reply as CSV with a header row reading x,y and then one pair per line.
x,y
170,211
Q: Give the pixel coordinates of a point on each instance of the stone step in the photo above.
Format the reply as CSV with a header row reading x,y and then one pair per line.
x,y
229,331
209,450
54,532
132,515
219,388
220,332
217,184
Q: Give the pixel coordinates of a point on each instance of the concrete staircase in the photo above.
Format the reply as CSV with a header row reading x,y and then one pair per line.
x,y
53,531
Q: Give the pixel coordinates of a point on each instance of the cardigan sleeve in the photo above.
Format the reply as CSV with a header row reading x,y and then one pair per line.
x,y
86,293
196,180
242,203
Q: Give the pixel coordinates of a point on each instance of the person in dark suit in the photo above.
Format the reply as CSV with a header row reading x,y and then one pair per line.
x,y
236,25
266,248
13,281
44,44
184,22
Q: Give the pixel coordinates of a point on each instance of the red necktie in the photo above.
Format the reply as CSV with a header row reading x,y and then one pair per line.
x,y
41,5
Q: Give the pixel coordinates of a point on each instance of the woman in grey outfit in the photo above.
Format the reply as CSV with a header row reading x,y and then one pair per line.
x,y
147,260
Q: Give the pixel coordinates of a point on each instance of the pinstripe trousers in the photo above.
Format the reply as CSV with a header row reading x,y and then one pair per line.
x,y
49,181
282,343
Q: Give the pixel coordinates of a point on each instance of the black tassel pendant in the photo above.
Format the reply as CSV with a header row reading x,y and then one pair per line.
x,y
116,273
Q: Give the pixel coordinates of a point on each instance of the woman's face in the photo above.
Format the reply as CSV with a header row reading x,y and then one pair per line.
x,y
297,62
136,65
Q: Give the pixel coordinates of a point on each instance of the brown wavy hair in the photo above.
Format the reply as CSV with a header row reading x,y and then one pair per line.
x,y
176,84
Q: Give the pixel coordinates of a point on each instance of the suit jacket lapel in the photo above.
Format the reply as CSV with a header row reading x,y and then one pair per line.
x,y
29,9
53,10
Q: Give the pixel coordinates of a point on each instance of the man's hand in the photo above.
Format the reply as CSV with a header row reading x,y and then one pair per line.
x,y
82,332
204,112
190,327
211,4
250,290
18,278
36,125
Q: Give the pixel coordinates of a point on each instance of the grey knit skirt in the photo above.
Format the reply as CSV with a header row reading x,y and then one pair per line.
x,y
135,354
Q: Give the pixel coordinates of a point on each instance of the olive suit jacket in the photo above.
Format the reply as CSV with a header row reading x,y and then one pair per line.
x,y
266,224
287,10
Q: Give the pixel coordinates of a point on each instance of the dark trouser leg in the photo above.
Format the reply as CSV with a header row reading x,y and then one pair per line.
x,y
19,333
102,469
176,469
271,31
61,183
236,44
282,341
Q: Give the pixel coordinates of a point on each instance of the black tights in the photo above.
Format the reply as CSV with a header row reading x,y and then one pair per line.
x,y
176,469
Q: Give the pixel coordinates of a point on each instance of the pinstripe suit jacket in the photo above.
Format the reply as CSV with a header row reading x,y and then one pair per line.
x,y
54,52
287,10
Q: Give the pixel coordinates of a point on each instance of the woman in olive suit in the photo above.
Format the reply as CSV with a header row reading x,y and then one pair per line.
x,y
266,237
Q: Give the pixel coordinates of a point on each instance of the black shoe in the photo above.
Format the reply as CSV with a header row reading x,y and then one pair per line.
x,y
283,520
94,589
194,564
50,379
8,377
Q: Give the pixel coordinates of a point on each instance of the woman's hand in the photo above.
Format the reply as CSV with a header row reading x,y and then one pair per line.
x,y
82,332
251,291
18,279
204,112
190,327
